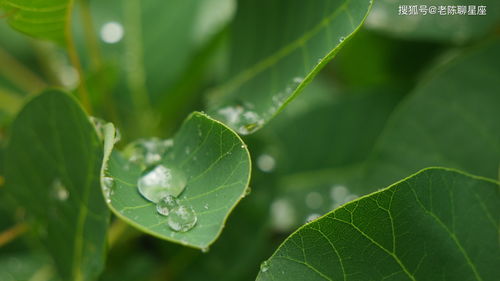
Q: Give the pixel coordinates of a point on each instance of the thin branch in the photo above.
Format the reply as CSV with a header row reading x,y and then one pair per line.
x,y
12,233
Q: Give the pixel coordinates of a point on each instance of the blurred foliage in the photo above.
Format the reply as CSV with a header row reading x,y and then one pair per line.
x,y
357,127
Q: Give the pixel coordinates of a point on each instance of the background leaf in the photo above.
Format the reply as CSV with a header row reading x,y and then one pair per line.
x,y
216,163
449,120
274,57
48,19
438,222
56,179
450,28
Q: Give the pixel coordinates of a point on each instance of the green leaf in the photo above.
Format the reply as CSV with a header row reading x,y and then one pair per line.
x,y
275,57
54,159
450,120
217,165
437,223
26,267
48,19
449,28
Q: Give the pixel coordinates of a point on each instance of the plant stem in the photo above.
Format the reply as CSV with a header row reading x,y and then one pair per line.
x,y
16,72
75,61
90,36
12,233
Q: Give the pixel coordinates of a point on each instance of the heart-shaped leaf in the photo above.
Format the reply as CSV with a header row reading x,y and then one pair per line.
x,y
216,165
436,224
53,164
275,57
48,19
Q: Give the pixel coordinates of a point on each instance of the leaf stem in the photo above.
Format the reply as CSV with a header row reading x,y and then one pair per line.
x,y
75,61
90,36
16,72
12,233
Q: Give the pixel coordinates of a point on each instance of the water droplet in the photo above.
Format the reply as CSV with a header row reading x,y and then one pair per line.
x,y
118,135
264,266
205,206
350,197
60,192
282,215
108,185
248,190
298,80
159,181
312,217
338,193
182,218
244,120
112,32
266,163
314,200
341,39
205,250
166,204
243,146
98,125
147,152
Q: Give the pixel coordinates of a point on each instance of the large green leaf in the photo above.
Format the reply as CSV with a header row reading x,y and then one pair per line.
x,y
450,120
48,19
437,224
216,164
53,165
275,56
452,28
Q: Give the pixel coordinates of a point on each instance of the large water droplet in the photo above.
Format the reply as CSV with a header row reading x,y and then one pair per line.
x,y
147,152
182,218
60,192
264,266
166,204
266,163
159,181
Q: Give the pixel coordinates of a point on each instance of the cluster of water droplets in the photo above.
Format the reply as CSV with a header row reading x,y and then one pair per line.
x,y
162,183
242,118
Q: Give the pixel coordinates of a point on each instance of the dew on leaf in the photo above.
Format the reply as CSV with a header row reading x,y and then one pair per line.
x,y
147,152
182,218
166,204
312,217
264,266
108,184
159,181
243,119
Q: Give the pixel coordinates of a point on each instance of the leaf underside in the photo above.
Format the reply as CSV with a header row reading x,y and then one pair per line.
x,y
294,43
46,19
